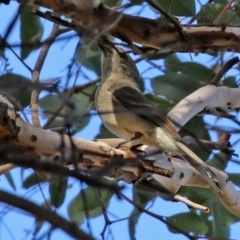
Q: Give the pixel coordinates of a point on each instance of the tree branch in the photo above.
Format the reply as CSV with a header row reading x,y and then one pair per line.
x,y
44,213
137,29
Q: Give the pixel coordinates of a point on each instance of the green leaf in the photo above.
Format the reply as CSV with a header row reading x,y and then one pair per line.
x,y
171,62
159,102
157,56
219,161
89,55
104,133
32,180
57,189
221,216
111,3
10,180
30,30
82,124
219,225
83,98
230,82
14,85
195,194
181,79
197,126
235,178
81,102
175,86
203,74
185,8
210,12
188,222
87,202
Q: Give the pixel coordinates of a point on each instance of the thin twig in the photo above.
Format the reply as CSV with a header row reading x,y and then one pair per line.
x,y
15,54
72,91
36,72
225,68
169,17
222,144
22,5
191,204
226,8
215,112
6,168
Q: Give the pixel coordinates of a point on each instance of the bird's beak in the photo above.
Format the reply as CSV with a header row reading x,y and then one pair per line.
x,y
104,48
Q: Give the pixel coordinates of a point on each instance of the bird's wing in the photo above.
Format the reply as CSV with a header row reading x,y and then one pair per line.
x,y
134,101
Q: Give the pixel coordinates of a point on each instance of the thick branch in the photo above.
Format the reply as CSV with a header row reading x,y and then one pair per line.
x,y
146,31
207,96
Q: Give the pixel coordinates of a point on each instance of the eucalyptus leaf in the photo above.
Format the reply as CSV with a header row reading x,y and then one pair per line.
x,y
104,133
210,12
87,200
159,102
197,127
199,71
230,82
188,222
14,85
185,8
235,178
112,3
32,180
80,103
89,55
57,189
10,180
219,161
31,30
175,86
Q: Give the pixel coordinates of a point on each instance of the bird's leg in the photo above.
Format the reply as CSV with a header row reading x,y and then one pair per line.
x,y
137,136
134,147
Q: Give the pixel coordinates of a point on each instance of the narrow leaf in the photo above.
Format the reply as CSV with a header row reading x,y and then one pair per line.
x,y
10,180
31,30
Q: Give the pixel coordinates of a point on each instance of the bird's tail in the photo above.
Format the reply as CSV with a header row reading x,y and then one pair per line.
x,y
200,166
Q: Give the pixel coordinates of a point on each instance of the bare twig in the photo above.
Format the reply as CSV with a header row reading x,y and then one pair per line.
x,y
72,91
44,213
215,112
222,144
226,8
169,17
226,67
22,5
36,72
15,54
6,168
191,204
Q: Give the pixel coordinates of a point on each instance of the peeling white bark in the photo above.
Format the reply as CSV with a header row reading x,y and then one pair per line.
x,y
207,96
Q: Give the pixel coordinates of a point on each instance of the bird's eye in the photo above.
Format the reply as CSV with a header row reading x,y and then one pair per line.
x,y
123,56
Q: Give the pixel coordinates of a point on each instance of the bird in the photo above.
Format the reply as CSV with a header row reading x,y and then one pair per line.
x,y
128,114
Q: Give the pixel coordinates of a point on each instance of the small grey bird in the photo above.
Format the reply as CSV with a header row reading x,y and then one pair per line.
x,y
126,112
